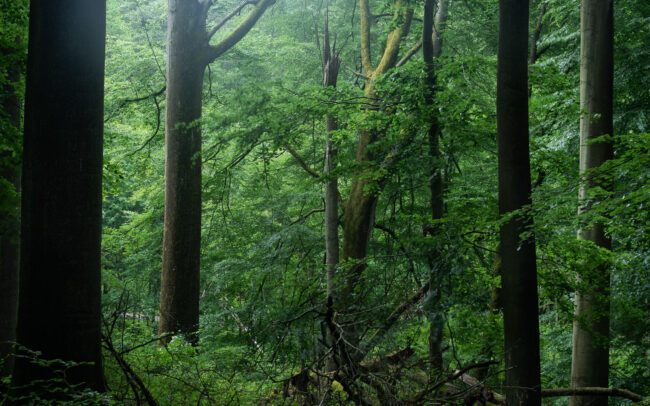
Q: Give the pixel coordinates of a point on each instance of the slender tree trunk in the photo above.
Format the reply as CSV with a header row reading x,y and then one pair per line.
x,y
331,64
519,278
59,301
432,29
179,292
590,362
9,218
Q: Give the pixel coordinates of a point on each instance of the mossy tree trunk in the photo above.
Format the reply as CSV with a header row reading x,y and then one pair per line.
x,y
359,209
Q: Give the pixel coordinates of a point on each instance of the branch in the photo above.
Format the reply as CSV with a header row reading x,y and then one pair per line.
x,y
354,72
414,49
621,393
302,218
155,133
302,162
131,376
366,18
394,316
137,99
228,17
215,51
389,57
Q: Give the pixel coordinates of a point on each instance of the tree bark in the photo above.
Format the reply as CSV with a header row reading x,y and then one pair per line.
x,y
432,29
179,291
519,279
590,358
59,300
188,54
360,206
331,64
9,215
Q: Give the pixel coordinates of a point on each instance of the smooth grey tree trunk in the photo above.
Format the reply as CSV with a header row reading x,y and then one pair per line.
x,y
590,358
518,261
60,297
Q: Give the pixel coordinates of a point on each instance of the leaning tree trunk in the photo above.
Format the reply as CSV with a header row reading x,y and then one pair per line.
x,y
188,54
60,298
9,216
590,361
518,264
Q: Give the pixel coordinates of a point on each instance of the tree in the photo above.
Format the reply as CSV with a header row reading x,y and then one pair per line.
x,y
59,298
360,206
432,35
590,356
188,54
517,250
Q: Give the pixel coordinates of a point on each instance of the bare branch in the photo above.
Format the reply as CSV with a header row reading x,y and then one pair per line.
x,y
414,49
302,162
361,75
302,218
224,20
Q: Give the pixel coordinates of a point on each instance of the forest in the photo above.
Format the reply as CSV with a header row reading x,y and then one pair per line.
x,y
325,202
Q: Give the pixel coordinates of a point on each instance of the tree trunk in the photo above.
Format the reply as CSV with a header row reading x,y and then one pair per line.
x,y
331,64
179,291
9,217
360,206
519,278
432,48
60,297
188,54
590,362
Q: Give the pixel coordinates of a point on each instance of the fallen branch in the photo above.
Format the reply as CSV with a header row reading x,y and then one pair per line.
x,y
587,391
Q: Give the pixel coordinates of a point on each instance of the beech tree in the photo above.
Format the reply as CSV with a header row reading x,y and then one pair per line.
x,y
590,356
188,54
59,298
517,249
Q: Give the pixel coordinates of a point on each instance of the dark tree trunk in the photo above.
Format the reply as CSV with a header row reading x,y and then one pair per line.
x,y
590,361
432,48
518,264
9,216
188,54
59,302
